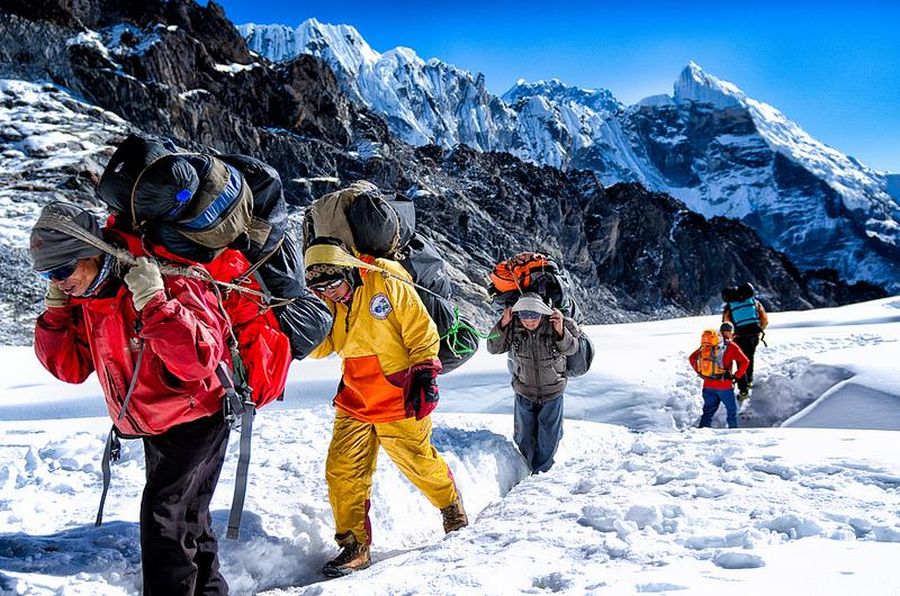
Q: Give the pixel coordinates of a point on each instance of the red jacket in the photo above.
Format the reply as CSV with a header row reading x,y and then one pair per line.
x,y
733,353
264,348
184,341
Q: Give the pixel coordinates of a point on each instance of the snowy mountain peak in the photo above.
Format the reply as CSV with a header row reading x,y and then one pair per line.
x,y
341,46
654,101
600,100
751,162
401,56
696,85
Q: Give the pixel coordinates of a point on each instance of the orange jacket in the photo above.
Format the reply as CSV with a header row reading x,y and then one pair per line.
x,y
384,331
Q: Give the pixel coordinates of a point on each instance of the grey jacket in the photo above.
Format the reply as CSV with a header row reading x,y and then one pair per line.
x,y
537,359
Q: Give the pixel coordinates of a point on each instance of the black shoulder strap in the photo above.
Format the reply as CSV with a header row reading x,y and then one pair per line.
x,y
239,412
111,453
241,476
113,449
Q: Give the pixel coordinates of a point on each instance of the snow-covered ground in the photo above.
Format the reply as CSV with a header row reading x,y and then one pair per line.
x,y
639,500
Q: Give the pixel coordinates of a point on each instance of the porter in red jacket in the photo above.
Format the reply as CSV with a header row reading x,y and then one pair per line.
x,y
172,333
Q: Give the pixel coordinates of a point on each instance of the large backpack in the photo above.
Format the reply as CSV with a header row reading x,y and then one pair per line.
x,y
710,363
363,219
535,272
745,316
518,272
193,206
369,222
580,362
532,272
741,301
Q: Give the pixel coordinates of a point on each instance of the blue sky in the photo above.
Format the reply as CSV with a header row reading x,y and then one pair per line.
x,y
834,69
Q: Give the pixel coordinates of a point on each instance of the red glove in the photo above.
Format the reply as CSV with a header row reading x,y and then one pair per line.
x,y
422,393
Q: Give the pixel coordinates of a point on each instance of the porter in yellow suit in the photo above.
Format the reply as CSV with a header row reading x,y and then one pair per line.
x,y
388,388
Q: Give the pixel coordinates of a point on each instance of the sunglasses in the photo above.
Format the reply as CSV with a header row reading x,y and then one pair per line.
x,y
60,273
324,287
529,315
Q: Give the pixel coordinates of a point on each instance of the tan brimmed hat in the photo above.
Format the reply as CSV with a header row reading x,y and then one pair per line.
x,y
533,302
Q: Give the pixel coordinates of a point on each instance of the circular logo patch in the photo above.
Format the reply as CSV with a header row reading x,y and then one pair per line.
x,y
380,306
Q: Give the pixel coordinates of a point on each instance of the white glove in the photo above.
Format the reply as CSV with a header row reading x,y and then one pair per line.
x,y
55,298
145,281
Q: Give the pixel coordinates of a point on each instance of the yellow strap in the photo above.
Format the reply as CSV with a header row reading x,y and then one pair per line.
x,y
329,254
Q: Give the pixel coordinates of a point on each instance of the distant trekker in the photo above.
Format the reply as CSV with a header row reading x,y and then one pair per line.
x,y
714,361
748,316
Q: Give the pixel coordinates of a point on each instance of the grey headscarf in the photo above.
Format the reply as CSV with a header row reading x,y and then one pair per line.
x,y
51,248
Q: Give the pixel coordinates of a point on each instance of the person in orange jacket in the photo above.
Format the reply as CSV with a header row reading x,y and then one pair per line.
x,y
388,389
720,389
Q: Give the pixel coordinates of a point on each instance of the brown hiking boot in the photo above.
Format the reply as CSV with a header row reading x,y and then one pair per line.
x,y
353,557
454,516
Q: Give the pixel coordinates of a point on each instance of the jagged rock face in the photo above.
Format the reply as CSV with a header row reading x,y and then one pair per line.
x,y
651,246
631,254
163,74
207,24
717,161
708,144
423,102
52,147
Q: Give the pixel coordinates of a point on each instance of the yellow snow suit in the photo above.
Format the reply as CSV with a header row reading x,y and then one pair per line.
x,y
384,331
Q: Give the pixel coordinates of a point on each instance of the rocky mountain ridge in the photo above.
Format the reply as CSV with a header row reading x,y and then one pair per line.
x,y
76,83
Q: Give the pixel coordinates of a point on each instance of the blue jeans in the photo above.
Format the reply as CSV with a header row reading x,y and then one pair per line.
x,y
537,429
711,400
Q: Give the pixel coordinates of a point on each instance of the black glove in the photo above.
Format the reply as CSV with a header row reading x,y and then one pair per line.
x,y
422,394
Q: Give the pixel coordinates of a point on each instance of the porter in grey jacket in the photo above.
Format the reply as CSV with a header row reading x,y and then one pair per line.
x,y
537,359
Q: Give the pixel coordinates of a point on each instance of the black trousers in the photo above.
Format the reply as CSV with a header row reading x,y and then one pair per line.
x,y
748,344
179,552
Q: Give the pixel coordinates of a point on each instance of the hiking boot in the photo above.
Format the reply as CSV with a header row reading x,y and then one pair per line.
x,y
743,395
749,384
454,516
353,557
